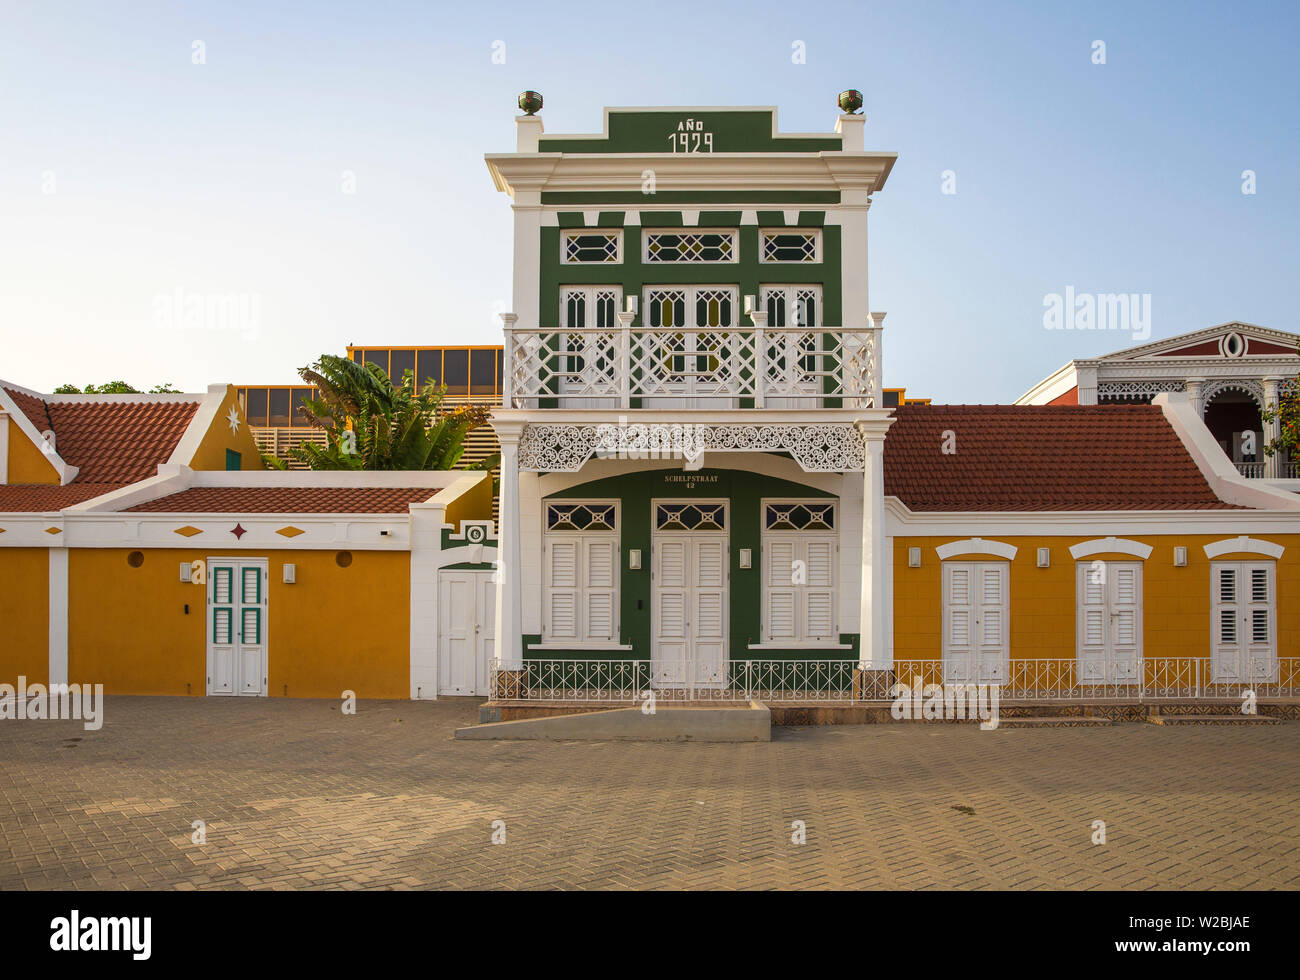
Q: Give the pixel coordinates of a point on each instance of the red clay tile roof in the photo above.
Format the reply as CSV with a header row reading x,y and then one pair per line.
x,y
20,498
110,440
1042,457
33,408
288,500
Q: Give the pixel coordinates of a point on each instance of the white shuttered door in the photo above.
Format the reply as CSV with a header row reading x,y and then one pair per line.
x,y
1109,622
975,622
237,624
1243,622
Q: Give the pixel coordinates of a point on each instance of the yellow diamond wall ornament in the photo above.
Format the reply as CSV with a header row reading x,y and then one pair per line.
x,y
188,531
290,532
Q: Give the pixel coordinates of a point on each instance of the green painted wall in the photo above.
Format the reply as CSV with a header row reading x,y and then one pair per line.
x,y
633,274
745,131
745,490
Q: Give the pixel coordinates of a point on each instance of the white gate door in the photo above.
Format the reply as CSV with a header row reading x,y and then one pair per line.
x,y
689,594
237,623
975,641
1109,622
466,624
1244,648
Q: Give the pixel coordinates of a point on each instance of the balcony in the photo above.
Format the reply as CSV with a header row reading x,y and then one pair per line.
x,y
693,367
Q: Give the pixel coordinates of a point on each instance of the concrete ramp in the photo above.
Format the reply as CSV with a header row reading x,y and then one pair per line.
x,y
739,723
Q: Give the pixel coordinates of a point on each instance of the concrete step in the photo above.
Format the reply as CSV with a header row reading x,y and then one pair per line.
x,y
1055,721
731,724
1237,719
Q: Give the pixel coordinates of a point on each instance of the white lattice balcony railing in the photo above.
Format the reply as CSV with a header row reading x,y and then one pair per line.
x,y
1253,471
756,367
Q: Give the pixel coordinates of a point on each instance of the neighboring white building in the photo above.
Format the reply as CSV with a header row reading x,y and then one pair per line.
x,y
1229,373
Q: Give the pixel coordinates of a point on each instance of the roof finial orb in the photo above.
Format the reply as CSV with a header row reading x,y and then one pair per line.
x,y
850,100
530,102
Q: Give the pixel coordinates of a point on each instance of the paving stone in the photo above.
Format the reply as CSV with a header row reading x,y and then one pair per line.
x,y
295,796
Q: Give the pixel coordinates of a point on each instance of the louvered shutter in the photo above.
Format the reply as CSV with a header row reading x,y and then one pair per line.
x,y
602,581
819,593
1092,622
563,558
959,620
781,593
1125,616
1259,626
991,622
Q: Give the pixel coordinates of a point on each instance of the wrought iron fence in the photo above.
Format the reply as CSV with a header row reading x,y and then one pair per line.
x,y
809,681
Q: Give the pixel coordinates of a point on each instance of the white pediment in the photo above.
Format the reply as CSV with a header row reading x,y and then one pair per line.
x,y
1229,341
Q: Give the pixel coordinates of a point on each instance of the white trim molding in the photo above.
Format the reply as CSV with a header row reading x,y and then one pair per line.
x,y
1243,545
977,546
1111,545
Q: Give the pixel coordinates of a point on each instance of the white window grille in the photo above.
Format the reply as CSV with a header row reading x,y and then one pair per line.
x,y
790,245
693,245
590,246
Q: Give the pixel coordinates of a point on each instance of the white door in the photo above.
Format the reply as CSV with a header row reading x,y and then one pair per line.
x,y
466,637
1244,646
587,359
689,600
237,624
706,358
1109,620
975,639
794,360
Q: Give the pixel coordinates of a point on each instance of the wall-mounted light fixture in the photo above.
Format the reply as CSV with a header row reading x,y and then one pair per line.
x,y
746,557
634,559
913,557
187,572
1044,557
1180,556
290,574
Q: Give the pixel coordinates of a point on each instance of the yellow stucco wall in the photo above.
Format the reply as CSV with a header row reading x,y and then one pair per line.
x,y
336,629
24,615
211,454
473,505
27,464
1176,601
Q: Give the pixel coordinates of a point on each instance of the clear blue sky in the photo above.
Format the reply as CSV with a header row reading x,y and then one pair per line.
x,y
225,177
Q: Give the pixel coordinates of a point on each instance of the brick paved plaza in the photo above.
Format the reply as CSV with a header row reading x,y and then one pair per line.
x,y
296,795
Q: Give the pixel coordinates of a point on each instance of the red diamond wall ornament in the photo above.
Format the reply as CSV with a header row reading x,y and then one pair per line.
x,y
238,531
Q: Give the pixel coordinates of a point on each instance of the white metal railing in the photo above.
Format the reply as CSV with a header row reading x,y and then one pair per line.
x,y
608,367
630,681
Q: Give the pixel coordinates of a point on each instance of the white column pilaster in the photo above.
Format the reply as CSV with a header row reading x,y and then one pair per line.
x,y
1272,394
509,619
873,652
58,583
426,549
1196,395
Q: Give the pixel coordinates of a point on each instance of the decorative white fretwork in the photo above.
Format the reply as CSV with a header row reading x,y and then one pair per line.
x,y
1137,389
1246,386
565,448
